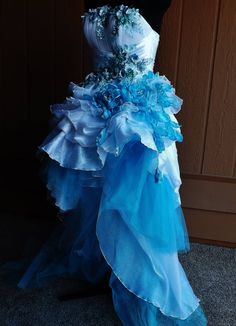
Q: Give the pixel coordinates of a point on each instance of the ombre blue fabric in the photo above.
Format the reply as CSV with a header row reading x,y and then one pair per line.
x,y
111,165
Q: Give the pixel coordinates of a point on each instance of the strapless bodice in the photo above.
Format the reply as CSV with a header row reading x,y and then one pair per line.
x,y
121,40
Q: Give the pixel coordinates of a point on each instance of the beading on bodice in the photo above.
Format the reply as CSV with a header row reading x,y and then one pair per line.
x,y
123,44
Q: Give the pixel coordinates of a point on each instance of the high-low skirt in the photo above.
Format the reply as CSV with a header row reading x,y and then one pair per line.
x,y
110,164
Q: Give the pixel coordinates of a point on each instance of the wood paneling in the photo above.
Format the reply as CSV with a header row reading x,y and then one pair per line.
x,y
194,77
216,227
15,116
220,150
41,53
169,46
14,83
202,64
209,195
68,45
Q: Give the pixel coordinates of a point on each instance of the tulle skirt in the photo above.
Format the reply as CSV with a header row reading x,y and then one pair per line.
x,y
114,175
111,232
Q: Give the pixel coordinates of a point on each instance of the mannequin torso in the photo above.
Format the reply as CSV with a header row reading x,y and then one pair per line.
x,y
152,12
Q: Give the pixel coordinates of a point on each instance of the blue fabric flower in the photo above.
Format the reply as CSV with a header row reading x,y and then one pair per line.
x,y
108,100
152,95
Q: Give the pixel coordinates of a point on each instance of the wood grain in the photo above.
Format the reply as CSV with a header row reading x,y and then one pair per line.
x,y
41,51
169,45
215,226
220,149
14,83
209,195
194,78
68,46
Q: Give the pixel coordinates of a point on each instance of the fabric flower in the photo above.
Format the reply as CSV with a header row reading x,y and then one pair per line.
x,y
108,100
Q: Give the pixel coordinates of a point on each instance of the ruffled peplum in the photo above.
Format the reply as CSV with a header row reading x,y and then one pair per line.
x,y
100,119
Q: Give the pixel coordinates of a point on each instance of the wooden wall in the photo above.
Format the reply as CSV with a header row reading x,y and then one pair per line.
x,y
198,53
42,50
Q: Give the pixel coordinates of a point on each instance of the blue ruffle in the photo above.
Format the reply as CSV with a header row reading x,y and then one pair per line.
x,y
130,193
143,228
134,311
157,289
72,250
139,224
102,118
66,186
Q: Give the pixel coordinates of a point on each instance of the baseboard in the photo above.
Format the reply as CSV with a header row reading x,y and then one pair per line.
x,y
212,227
213,242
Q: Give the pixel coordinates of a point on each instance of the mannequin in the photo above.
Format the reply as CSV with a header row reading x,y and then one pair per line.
x,y
153,12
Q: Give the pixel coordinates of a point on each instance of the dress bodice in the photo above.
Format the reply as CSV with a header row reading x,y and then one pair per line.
x,y
121,100
121,40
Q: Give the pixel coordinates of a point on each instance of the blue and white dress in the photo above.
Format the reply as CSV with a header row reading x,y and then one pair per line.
x,y
111,165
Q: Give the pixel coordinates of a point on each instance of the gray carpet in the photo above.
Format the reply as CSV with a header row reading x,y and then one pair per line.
x,y
211,271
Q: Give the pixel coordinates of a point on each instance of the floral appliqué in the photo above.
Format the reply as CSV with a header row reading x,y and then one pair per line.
x,y
124,16
120,65
152,95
